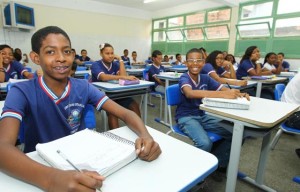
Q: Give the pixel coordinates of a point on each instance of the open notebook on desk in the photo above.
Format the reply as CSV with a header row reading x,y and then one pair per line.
x,y
239,103
90,150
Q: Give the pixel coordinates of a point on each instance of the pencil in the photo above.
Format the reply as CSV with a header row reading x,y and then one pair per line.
x,y
228,85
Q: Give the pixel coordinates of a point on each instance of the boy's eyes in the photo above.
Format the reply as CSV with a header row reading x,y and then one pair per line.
x,y
51,52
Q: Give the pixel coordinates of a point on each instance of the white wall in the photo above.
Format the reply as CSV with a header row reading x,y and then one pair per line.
x,y
87,29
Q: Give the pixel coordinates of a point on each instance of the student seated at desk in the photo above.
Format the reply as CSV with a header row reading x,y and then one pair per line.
x,y
178,60
270,62
125,57
249,65
134,58
285,64
193,121
83,58
105,70
155,69
214,67
231,59
25,61
10,68
51,107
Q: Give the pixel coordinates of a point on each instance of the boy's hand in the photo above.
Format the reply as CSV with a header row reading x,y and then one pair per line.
x,y
1,59
231,94
147,149
75,181
131,78
242,83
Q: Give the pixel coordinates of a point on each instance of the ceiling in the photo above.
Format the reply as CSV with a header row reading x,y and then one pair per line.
x,y
153,6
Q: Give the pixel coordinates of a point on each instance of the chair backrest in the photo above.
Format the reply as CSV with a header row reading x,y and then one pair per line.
x,y
279,88
89,117
173,95
146,74
80,68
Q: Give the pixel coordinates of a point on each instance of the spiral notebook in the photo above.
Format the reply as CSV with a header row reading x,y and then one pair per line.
x,y
89,150
239,103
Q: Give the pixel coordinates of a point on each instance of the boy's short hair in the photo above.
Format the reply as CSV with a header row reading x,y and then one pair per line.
x,y
38,37
82,50
281,54
178,54
155,53
17,56
133,52
3,46
193,50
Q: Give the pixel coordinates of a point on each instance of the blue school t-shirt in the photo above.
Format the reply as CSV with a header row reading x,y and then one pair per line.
x,y
126,60
99,67
84,59
14,70
244,68
47,117
153,71
190,107
285,65
208,69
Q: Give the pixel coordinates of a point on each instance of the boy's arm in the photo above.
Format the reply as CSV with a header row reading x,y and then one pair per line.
x,y
147,148
160,82
28,75
224,93
17,164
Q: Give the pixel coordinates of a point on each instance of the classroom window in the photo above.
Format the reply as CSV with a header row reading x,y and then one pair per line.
x,y
175,21
287,6
193,34
217,32
287,27
257,10
174,35
160,24
254,30
159,36
218,15
194,19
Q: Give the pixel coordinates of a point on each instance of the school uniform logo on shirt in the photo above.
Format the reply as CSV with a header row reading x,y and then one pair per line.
x,y
74,119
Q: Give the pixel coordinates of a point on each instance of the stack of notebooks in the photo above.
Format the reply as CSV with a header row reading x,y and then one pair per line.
x,y
89,150
239,103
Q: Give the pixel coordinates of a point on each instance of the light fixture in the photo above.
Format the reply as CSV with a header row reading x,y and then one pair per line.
x,y
149,1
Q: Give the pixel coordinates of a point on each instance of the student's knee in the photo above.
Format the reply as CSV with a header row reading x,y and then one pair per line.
x,y
204,144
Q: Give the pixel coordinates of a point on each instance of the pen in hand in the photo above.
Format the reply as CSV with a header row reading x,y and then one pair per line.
x,y
228,85
72,164
67,160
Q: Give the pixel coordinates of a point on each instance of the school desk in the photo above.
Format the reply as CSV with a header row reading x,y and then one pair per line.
x,y
179,167
287,74
135,72
178,69
249,84
116,91
267,82
258,121
3,87
81,74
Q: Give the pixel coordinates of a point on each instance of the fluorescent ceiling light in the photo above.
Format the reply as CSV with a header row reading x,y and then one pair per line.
x,y
149,1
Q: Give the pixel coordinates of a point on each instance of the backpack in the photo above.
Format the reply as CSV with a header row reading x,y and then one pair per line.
x,y
293,121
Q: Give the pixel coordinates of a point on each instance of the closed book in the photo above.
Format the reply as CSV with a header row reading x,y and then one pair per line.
x,y
89,150
239,103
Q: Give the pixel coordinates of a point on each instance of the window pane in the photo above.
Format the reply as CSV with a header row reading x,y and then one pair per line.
x,y
197,18
288,6
254,30
159,36
218,15
160,24
193,34
269,20
175,22
218,32
287,27
257,10
175,35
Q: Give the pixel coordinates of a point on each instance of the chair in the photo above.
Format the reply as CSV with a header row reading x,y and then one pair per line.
x,y
89,117
296,179
279,88
173,97
81,68
153,93
28,69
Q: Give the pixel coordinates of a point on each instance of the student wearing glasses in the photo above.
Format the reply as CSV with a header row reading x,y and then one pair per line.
x,y
194,122
214,67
